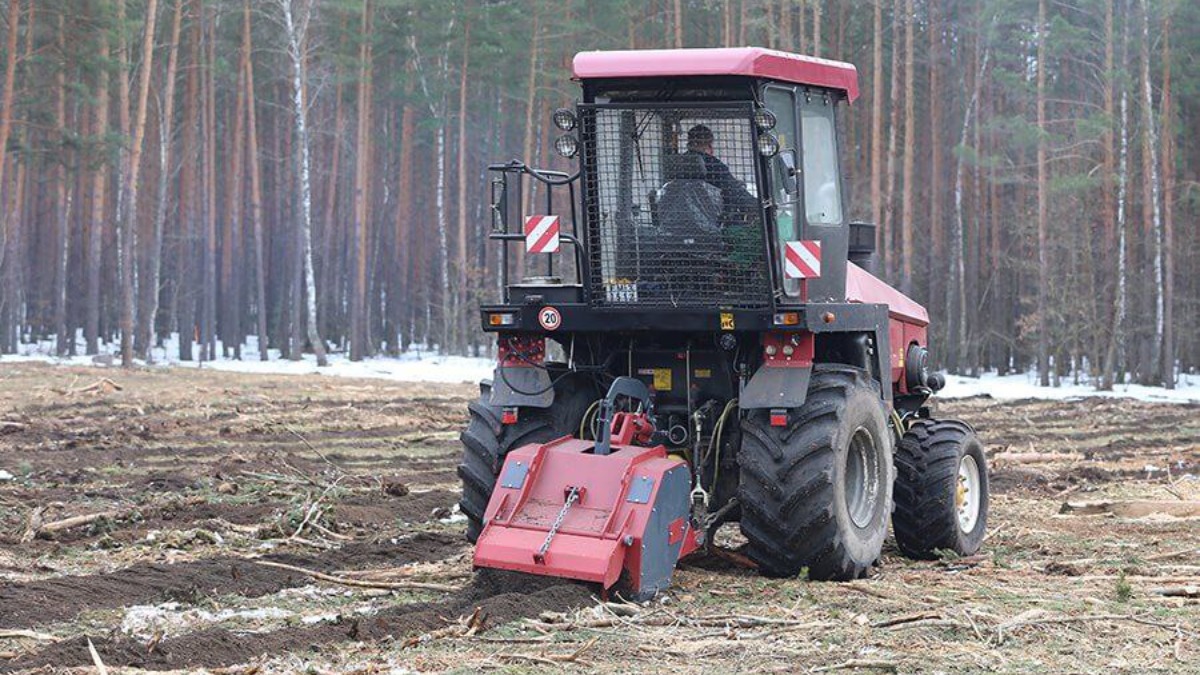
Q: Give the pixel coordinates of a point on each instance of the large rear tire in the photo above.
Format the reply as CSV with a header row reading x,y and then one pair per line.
x,y
486,441
817,493
941,490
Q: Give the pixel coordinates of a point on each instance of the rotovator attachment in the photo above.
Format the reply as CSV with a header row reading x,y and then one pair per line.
x,y
590,510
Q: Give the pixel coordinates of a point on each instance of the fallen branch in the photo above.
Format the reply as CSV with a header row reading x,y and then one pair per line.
x,y
36,529
100,668
1134,508
1172,554
896,621
355,583
1178,591
1020,622
852,664
31,634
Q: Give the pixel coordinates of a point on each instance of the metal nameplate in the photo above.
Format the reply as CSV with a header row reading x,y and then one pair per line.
x,y
639,492
514,475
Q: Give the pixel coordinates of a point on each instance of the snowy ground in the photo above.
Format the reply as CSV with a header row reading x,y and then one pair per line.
x,y
424,365
416,365
1024,386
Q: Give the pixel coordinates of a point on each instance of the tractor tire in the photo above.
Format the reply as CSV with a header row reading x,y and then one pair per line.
x,y
486,441
816,494
941,490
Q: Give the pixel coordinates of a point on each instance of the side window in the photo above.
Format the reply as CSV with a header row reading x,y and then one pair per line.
x,y
822,189
782,103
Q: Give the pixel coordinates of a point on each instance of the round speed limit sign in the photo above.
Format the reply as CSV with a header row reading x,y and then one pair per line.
x,y
549,318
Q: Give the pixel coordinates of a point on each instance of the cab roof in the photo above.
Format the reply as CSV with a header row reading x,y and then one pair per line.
x,y
747,61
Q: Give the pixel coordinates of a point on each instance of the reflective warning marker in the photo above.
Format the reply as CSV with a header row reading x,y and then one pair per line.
x,y
541,234
802,260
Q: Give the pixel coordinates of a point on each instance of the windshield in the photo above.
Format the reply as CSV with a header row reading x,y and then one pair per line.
x,y
673,205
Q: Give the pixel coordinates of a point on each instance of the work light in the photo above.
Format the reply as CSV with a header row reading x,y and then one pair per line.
x,y
567,146
564,119
764,119
768,145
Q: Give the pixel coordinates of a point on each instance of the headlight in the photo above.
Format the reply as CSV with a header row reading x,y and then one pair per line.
x,y
768,145
567,146
764,119
564,119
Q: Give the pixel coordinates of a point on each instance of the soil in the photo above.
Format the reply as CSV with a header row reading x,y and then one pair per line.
x,y
205,472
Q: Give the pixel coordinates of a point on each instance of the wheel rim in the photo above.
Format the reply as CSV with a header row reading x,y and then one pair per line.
x,y
861,478
968,493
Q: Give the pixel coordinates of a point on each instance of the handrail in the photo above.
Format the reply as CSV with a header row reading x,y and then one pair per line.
x,y
500,214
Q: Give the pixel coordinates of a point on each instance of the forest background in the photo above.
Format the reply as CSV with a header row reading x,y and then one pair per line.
x,y
311,174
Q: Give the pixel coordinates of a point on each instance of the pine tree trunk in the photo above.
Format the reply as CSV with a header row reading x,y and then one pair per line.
x,y
1115,362
908,197
362,199
463,274
144,342
401,292
877,129
887,252
1151,210
256,196
185,281
1043,205
132,185
208,323
935,253
1168,236
63,199
99,182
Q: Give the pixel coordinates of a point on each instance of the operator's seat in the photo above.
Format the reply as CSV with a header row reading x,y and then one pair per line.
x,y
689,207
688,213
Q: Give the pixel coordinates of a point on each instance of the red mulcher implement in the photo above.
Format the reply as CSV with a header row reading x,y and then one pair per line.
x,y
701,343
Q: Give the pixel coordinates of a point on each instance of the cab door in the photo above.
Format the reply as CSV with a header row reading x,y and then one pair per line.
x,y
824,216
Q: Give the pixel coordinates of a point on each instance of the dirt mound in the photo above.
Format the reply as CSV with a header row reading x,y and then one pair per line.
x,y
501,596
43,602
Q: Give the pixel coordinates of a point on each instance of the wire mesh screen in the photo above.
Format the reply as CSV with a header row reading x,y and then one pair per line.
x,y
673,211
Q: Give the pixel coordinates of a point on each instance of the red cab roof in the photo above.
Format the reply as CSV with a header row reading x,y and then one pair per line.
x,y
748,61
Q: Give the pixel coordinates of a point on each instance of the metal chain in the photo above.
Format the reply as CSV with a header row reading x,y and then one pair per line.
x,y
572,497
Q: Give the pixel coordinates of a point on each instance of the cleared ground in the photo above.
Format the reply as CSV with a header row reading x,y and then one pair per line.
x,y
207,502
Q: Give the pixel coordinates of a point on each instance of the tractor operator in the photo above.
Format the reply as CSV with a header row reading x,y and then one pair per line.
x,y
738,205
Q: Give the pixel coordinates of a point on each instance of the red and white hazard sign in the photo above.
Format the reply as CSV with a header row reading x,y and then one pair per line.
x,y
802,259
541,234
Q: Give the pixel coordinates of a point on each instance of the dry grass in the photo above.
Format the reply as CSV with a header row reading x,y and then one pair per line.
x,y
190,466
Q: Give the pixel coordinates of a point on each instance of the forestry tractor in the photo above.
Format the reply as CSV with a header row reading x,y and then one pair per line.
x,y
700,343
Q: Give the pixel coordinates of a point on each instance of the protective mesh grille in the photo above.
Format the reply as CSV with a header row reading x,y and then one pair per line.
x,y
672,205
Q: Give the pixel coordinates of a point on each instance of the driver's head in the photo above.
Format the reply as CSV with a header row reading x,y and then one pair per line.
x,y
700,139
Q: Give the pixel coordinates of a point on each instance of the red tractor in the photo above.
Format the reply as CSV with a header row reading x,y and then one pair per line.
x,y
701,343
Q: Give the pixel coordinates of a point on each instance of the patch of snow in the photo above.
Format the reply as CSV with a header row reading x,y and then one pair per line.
x,y
4,475
1025,386
456,516
419,364
168,618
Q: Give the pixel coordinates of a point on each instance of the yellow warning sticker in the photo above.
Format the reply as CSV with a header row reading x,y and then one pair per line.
x,y
702,372
662,379
726,320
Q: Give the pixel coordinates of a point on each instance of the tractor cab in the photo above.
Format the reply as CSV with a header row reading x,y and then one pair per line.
x,y
696,169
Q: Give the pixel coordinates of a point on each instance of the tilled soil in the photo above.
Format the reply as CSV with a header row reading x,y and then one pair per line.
x,y
49,601
500,597
197,475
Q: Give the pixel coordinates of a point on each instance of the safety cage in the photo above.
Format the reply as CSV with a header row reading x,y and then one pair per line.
x,y
671,197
